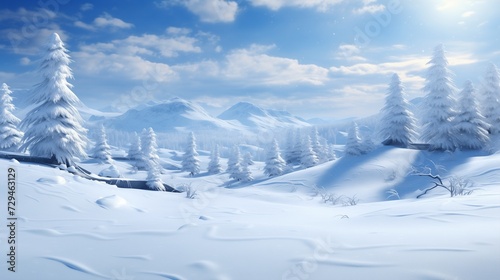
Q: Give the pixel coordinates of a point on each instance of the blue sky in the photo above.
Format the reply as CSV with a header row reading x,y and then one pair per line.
x,y
315,58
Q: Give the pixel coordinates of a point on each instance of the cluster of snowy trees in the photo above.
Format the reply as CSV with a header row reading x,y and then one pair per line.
x,y
448,122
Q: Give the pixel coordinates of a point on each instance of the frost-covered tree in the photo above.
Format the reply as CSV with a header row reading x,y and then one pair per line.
x,y
308,156
290,152
10,136
354,146
247,159
275,165
438,104
245,174
102,150
470,127
149,149
134,152
190,161
214,166
151,160
234,163
54,127
491,98
397,125
316,145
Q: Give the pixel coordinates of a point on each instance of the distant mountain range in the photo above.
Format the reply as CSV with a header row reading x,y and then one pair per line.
x,y
181,115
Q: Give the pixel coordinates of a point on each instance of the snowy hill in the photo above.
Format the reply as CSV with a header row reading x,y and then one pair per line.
x,y
72,228
173,115
254,117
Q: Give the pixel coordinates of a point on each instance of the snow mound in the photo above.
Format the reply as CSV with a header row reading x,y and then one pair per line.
x,y
110,172
14,161
56,180
112,201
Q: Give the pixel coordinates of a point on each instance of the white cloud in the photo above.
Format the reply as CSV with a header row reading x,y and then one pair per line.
x,y
86,7
208,10
322,5
25,61
369,9
178,30
255,65
468,14
349,52
104,21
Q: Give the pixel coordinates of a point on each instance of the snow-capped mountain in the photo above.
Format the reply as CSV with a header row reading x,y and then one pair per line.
x,y
173,115
181,115
254,117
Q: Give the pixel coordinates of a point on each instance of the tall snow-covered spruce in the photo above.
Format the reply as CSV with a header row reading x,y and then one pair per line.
x,y
10,136
275,165
234,163
354,146
470,127
190,161
151,159
54,127
134,152
491,98
438,116
102,150
214,166
308,157
397,125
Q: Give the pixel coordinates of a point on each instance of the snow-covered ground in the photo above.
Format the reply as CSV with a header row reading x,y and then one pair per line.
x,y
279,228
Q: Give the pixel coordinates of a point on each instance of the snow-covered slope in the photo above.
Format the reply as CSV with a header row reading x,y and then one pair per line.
x,y
254,117
72,228
172,115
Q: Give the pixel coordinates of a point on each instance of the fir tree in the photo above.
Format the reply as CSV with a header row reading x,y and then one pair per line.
x,y
397,122
54,127
102,150
247,159
234,163
10,136
134,151
290,152
353,145
190,161
308,156
438,117
214,166
245,174
491,98
275,165
316,145
151,160
470,126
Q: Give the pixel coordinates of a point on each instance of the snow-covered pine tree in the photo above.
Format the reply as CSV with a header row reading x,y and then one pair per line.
x,y
102,150
275,165
353,146
470,127
190,161
151,160
290,153
247,159
10,136
397,125
134,152
491,98
54,127
234,163
316,145
438,104
245,174
214,166
308,156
